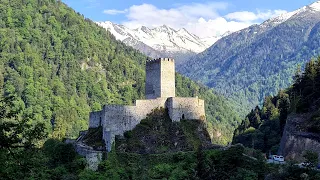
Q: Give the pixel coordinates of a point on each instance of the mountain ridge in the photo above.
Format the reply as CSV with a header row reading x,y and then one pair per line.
x,y
259,60
161,41
61,66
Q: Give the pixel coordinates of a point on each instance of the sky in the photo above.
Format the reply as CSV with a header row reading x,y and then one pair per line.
x,y
204,18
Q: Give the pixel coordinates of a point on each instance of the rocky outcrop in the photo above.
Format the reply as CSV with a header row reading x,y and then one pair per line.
x,y
295,142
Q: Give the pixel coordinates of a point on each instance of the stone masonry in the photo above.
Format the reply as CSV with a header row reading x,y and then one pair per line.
x,y
160,92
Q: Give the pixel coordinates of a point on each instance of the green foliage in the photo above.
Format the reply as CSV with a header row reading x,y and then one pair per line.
x,y
60,153
19,137
220,112
311,159
303,96
158,134
258,61
203,164
262,128
293,172
94,138
61,66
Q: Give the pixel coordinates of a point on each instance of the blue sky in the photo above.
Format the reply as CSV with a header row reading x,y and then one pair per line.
x,y
201,17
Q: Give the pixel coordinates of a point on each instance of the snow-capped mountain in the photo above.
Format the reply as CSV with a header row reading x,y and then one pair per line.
x,y
259,60
314,7
160,41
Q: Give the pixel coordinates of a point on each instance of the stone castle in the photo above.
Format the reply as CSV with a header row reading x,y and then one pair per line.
x,y
159,92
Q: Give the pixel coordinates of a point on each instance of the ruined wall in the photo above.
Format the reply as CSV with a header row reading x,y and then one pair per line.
x,y
186,108
167,78
144,107
118,119
95,119
160,92
93,157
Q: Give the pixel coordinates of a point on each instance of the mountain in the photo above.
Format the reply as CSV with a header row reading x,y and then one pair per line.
x,y
252,63
161,41
288,123
60,66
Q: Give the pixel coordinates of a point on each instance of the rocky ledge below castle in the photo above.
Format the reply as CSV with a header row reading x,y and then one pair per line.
x,y
158,134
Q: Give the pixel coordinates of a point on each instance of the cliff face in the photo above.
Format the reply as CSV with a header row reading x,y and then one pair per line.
x,y
295,141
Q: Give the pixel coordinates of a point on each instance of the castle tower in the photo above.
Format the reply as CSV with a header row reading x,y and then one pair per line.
x,y
160,78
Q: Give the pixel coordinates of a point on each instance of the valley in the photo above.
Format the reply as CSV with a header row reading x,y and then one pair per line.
x,y
84,98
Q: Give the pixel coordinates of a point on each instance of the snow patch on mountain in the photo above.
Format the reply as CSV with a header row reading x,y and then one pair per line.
x,y
284,17
315,6
162,38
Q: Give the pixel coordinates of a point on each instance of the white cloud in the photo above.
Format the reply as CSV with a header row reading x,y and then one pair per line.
x,y
246,16
114,11
203,20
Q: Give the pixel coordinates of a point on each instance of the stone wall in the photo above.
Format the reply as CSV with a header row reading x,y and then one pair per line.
x,y
145,107
93,157
160,92
95,119
153,73
117,119
167,78
160,78
186,108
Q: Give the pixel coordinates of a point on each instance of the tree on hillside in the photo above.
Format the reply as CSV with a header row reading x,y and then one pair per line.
x,y
18,138
15,131
311,159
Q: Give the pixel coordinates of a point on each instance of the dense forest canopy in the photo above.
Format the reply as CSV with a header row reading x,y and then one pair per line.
x,y
56,66
260,60
60,66
262,128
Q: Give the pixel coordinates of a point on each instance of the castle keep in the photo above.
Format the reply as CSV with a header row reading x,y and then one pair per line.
x,y
159,92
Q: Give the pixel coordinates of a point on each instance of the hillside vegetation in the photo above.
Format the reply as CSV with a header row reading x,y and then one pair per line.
x,y
61,66
158,134
262,128
258,61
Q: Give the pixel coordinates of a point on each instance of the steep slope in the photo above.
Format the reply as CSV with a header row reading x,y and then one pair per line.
x,y
295,142
257,61
293,116
61,66
157,134
160,41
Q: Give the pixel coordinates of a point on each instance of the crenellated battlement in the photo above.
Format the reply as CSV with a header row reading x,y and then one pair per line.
x,y
150,61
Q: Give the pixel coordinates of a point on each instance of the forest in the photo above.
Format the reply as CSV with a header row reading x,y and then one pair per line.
x,y
56,66
263,127
60,66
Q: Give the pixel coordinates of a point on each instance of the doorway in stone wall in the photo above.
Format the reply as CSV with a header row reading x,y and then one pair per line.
x,y
182,116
